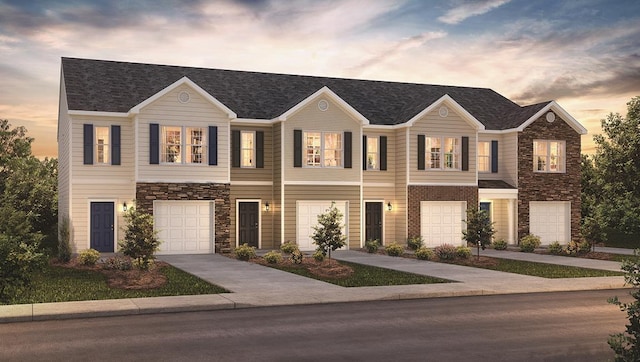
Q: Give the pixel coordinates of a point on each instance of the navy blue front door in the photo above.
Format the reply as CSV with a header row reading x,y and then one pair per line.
x,y
486,206
102,226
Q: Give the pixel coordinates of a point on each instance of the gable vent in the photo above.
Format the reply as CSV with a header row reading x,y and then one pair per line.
x,y
184,97
323,105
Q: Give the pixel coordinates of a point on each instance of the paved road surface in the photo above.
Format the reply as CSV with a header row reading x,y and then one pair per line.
x,y
567,326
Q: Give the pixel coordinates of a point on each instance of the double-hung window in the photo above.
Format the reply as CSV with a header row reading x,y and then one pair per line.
x,y
102,150
373,155
182,145
323,149
548,156
442,153
247,149
484,156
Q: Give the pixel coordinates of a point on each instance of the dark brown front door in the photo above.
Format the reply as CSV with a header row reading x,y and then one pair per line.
x,y
373,221
248,225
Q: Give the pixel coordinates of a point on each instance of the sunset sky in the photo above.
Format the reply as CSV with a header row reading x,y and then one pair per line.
x,y
583,54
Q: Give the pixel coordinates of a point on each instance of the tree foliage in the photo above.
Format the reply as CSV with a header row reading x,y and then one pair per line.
x,y
140,239
479,230
328,234
626,345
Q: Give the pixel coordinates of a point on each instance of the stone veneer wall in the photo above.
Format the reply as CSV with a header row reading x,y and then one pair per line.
x,y
416,194
537,186
146,193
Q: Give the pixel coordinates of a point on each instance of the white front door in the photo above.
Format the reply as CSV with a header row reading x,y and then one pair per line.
x,y
441,222
307,218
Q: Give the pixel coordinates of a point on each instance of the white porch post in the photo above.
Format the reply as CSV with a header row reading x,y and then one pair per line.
x,y
511,220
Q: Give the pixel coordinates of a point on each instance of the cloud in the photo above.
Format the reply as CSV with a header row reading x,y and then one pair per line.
x,y
469,9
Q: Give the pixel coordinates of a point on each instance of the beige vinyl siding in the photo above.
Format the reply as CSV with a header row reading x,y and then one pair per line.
x,y
264,194
311,119
509,153
324,193
83,194
277,182
400,201
379,176
500,218
64,148
432,125
105,173
384,195
500,175
198,112
256,174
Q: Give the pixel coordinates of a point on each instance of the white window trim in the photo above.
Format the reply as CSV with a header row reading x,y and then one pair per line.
x,y
377,168
184,145
322,149
488,170
253,150
563,156
95,146
427,154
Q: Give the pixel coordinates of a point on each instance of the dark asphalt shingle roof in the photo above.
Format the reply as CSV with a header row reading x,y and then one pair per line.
x,y
109,86
494,184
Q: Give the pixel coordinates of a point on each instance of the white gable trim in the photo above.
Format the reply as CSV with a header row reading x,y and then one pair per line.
x,y
324,91
447,100
553,106
99,114
178,83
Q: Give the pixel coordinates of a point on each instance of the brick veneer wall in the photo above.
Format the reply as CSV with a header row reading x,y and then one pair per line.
x,y
146,193
416,194
536,186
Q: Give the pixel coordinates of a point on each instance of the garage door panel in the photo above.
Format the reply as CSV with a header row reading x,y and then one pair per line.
x,y
183,226
441,222
307,218
550,220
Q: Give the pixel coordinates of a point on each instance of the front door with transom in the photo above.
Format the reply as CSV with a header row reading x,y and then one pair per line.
x,y
249,223
373,221
102,227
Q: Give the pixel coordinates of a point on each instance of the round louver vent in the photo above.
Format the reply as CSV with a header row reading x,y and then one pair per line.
x,y
443,111
323,105
184,97
550,117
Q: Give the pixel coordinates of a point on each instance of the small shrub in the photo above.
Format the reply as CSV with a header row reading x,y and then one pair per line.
x,y
140,239
570,249
64,241
273,257
414,243
245,252
89,257
424,253
318,256
584,247
394,249
529,243
500,244
296,257
288,247
445,252
118,263
371,245
463,252
555,248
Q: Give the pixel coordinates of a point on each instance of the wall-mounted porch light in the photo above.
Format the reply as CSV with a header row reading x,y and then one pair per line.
x,y
389,206
124,207
267,206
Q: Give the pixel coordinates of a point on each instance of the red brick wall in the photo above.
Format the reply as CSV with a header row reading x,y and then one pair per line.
x,y
435,193
535,186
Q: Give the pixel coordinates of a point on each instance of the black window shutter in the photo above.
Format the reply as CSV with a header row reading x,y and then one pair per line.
x,y
465,153
88,144
364,153
154,143
259,149
213,146
297,148
115,145
235,148
494,156
383,153
347,150
421,152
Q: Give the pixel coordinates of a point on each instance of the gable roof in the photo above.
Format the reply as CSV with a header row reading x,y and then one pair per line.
x,y
110,86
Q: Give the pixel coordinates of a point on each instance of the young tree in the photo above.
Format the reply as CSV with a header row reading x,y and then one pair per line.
x,y
140,240
328,234
479,229
626,345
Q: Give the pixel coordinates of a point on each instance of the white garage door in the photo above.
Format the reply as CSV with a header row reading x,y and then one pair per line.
x,y
307,218
441,222
184,227
550,220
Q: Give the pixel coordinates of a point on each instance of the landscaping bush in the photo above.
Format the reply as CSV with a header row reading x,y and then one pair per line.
x,y
371,245
118,263
500,244
140,239
19,261
89,257
245,252
463,252
273,257
288,247
296,257
394,249
584,247
529,243
318,256
424,253
555,248
64,240
445,252
571,248
414,243
626,345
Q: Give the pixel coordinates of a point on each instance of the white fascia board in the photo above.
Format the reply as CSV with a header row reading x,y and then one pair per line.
x,y
553,106
325,91
385,126
254,121
497,193
194,86
98,114
446,99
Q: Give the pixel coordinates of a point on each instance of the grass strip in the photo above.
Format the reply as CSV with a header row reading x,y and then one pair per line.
x,y
366,276
58,284
543,270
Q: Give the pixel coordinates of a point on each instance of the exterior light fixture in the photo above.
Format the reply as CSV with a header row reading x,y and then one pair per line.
x,y
124,207
389,207
267,206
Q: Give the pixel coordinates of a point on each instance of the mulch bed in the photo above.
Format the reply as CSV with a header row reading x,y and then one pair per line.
x,y
328,268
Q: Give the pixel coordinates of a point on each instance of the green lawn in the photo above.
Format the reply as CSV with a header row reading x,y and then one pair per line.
x,y
367,276
58,284
540,269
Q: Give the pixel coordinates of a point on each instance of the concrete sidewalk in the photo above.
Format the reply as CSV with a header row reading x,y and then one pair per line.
x,y
254,285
